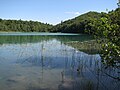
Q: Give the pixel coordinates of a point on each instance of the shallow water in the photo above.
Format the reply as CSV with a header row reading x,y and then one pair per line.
x,y
44,62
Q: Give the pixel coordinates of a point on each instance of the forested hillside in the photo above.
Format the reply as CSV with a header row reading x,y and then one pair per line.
x,y
23,26
85,23
81,24
78,24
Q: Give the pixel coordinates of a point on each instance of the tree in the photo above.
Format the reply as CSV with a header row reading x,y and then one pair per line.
x,y
109,34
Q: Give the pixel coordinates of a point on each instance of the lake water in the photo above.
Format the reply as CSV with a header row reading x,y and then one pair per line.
x,y
42,61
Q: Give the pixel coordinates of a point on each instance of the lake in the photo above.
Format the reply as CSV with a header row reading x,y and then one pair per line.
x,y
43,61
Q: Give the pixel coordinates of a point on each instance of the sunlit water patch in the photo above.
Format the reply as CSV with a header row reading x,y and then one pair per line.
x,y
46,63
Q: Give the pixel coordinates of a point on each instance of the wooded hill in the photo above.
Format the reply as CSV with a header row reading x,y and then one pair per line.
x,y
76,25
80,24
84,22
23,26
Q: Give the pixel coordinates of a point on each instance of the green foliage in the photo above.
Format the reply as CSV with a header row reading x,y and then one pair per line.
x,y
76,25
108,29
23,26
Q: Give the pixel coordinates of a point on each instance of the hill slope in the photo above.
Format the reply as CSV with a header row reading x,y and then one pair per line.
x,y
77,25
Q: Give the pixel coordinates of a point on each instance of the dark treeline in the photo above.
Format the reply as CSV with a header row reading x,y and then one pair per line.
x,y
23,26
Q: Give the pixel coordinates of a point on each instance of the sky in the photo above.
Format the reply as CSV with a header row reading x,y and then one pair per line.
x,y
52,11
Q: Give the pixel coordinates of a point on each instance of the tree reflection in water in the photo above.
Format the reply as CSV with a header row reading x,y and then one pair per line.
x,y
53,65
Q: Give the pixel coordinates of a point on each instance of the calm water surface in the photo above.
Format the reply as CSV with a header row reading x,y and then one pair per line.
x,y
42,61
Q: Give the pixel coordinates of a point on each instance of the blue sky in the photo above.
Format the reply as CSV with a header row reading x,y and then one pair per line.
x,y
51,11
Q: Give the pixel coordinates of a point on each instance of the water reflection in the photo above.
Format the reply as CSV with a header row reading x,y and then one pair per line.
x,y
51,65
20,39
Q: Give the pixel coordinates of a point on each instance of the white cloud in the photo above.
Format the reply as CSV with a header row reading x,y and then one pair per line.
x,y
74,13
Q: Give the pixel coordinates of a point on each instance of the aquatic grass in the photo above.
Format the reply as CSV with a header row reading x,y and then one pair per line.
x,y
90,47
